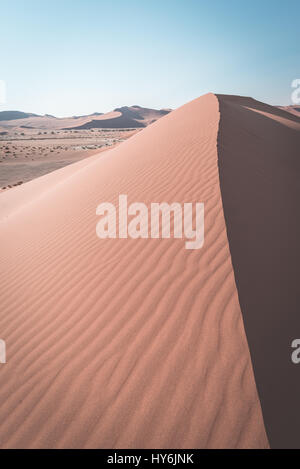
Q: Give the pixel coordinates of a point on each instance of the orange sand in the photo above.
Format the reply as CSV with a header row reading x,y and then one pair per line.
x,y
124,343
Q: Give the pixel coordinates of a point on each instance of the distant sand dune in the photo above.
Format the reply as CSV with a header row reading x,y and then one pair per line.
x,y
294,109
120,118
124,343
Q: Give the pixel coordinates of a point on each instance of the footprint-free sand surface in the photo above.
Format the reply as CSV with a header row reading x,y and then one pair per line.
x,y
259,160
124,343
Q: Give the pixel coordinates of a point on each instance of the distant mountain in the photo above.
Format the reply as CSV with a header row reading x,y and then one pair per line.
x,y
14,115
119,118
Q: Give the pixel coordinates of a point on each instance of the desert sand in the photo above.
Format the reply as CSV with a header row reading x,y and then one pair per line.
x,y
33,145
125,343
293,109
32,153
259,160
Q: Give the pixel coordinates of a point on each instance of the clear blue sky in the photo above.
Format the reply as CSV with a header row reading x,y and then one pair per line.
x,y
66,57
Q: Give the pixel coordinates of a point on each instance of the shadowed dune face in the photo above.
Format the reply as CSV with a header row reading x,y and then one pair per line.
x,y
259,161
128,117
294,109
115,123
124,343
278,114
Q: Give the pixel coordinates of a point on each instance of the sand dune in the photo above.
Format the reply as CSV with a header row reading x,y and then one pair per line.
x,y
120,118
293,109
32,154
124,343
261,210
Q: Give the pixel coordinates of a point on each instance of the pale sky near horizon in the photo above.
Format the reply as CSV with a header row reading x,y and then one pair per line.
x,y
74,57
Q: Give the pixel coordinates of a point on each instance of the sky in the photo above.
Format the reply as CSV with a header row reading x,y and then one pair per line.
x,y
75,57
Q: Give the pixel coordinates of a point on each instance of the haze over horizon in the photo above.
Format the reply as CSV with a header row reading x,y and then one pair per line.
x,y
76,58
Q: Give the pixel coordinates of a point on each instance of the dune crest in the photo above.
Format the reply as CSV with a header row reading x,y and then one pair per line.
x,y
124,343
